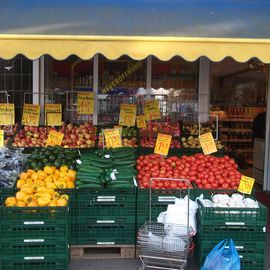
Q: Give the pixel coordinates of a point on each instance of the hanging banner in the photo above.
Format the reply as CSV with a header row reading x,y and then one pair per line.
x,y
151,110
127,115
141,123
246,184
54,138
85,103
53,114
207,143
1,138
7,113
31,115
112,138
163,144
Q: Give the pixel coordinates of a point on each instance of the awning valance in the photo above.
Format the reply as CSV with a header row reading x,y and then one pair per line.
x,y
190,29
60,47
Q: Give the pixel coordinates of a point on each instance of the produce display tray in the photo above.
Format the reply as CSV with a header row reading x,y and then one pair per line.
x,y
232,216
41,264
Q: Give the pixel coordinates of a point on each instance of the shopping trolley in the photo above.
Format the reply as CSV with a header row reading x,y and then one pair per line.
x,y
164,246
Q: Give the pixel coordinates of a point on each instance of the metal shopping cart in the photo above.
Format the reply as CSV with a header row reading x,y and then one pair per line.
x,y
164,246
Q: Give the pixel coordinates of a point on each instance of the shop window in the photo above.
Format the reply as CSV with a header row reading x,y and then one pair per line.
x,y
16,79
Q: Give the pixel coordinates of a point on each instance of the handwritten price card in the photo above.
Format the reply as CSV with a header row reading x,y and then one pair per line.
x,y
1,138
54,138
207,143
53,114
246,184
127,115
151,110
7,114
163,144
85,102
31,114
141,123
112,138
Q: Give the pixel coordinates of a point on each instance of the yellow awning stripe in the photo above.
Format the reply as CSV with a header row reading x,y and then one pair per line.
x,y
137,47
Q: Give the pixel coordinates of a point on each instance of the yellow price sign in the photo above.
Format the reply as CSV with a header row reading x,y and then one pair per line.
x,y
141,123
53,114
1,138
31,115
85,103
54,138
127,115
7,114
246,184
163,144
112,138
151,110
207,143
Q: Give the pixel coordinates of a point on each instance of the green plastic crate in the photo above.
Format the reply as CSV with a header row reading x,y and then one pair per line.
x,y
34,222
90,233
232,216
249,252
238,233
43,264
36,248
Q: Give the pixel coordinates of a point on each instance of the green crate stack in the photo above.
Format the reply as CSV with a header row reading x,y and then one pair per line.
x,y
160,199
105,216
34,238
246,226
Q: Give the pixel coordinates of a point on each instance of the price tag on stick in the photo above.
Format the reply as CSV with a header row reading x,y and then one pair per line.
x,y
151,110
112,138
246,184
1,138
127,115
7,114
85,103
53,114
163,144
207,143
54,138
31,114
141,123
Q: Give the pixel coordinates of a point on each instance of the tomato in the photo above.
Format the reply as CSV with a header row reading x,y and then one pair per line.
x,y
159,184
154,174
173,185
221,181
166,184
225,186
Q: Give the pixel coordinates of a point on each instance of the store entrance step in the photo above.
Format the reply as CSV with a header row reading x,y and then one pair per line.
x,y
103,251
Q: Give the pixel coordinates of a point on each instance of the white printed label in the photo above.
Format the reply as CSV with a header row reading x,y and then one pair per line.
x,y
234,223
33,222
166,199
105,243
105,221
106,198
33,240
34,258
107,156
135,182
79,161
237,247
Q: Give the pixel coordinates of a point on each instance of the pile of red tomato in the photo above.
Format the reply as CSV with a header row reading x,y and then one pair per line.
x,y
207,172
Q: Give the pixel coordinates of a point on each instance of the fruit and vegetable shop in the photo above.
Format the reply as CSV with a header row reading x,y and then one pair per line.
x,y
120,122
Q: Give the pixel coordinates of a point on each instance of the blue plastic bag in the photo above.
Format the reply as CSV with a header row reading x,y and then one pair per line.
x,y
222,258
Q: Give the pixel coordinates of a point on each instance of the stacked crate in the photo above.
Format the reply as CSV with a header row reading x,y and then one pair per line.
x,y
246,226
34,238
105,217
